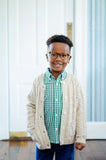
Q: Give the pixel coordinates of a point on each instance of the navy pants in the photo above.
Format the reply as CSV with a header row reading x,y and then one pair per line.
x,y
64,152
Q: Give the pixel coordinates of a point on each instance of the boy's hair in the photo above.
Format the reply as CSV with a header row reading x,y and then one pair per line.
x,y
59,38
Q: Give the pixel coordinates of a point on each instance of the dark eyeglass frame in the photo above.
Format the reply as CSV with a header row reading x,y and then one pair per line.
x,y
62,56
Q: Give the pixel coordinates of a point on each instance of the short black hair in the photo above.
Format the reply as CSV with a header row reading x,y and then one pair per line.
x,y
59,38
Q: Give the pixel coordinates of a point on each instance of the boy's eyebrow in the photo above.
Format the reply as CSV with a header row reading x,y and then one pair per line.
x,y
58,53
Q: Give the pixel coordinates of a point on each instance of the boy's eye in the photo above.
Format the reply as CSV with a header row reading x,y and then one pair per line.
x,y
63,55
53,55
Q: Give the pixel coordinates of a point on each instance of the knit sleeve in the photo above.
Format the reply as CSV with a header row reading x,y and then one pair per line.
x,y
80,115
31,109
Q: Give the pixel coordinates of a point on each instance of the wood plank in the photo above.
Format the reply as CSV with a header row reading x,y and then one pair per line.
x,y
77,155
25,150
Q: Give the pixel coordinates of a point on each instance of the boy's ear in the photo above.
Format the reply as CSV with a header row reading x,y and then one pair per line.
x,y
69,59
47,57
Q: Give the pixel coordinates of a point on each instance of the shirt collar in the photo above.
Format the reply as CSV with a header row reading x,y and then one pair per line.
x,y
62,76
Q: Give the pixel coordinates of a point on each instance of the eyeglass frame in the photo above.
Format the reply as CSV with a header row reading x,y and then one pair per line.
x,y
66,58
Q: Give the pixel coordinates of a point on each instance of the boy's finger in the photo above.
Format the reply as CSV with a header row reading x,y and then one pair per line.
x,y
79,146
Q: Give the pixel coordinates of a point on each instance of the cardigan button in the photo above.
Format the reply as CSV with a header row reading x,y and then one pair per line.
x,y
63,82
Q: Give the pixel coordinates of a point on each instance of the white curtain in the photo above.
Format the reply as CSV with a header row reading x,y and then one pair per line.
x,y
90,65
96,60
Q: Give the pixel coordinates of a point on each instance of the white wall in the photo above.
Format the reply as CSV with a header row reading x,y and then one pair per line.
x,y
4,105
25,26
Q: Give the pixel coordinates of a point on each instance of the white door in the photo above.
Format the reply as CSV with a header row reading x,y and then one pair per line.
x,y
30,24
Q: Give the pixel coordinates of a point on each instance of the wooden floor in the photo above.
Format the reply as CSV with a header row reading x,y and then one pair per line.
x,y
26,150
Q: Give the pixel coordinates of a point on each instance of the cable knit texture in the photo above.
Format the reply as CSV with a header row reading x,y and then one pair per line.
x,y
73,118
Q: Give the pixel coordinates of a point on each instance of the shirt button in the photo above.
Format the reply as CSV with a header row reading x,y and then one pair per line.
x,y
43,131
48,145
63,128
56,129
56,84
56,99
56,114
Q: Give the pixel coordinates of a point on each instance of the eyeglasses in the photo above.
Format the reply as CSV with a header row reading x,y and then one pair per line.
x,y
62,56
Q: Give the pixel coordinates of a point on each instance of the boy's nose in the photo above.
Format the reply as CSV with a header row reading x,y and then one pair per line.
x,y
58,57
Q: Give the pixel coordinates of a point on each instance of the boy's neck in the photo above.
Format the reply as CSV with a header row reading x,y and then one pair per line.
x,y
55,74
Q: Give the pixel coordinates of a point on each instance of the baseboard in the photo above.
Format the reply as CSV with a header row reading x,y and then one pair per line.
x,y
96,130
17,134
30,139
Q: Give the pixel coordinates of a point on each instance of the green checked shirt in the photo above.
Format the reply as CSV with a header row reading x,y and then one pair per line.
x,y
53,104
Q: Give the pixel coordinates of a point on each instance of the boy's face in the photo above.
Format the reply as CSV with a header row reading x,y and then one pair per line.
x,y
58,63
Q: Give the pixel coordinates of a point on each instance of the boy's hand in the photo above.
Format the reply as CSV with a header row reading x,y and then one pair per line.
x,y
79,146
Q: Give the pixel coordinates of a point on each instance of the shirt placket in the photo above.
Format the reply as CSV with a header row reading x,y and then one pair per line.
x,y
56,110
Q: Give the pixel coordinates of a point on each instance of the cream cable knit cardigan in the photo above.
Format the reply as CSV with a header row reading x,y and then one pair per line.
x,y
73,118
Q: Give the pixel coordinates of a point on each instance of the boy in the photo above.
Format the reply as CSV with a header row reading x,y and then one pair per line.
x,y
56,110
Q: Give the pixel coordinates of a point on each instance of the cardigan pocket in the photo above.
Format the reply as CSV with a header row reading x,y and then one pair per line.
x,y
36,137
72,129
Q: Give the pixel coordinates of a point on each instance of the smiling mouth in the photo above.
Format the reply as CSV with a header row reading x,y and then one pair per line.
x,y
57,64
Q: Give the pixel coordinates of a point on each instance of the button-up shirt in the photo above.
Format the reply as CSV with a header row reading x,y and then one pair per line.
x,y
53,103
